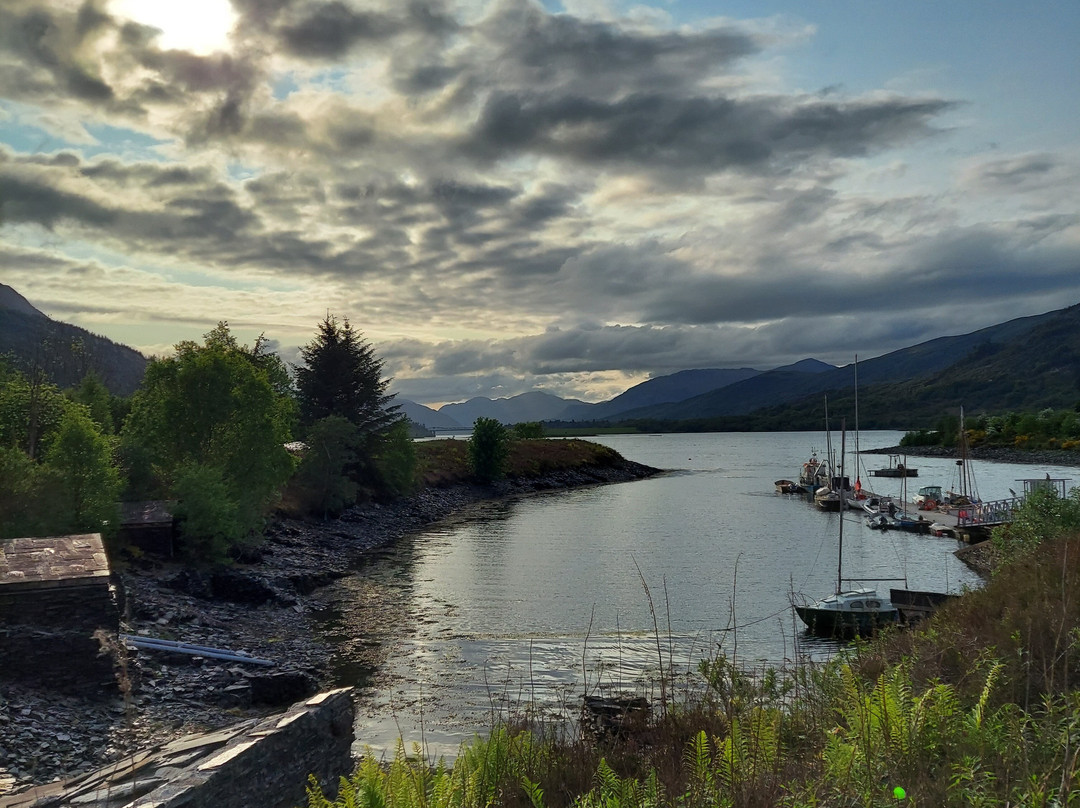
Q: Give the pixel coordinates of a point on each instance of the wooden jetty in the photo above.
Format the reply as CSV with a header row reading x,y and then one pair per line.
x,y
914,605
972,522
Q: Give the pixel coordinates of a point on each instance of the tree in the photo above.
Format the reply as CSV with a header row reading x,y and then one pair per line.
x,y
212,406
527,430
30,411
95,396
88,481
341,375
489,448
57,473
22,501
322,478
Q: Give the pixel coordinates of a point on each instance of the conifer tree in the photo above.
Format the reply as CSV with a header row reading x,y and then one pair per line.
x,y
341,375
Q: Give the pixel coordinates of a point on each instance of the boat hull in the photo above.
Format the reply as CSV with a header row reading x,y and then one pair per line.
x,y
844,624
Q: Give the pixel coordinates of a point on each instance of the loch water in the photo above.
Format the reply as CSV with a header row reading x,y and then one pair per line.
x,y
533,601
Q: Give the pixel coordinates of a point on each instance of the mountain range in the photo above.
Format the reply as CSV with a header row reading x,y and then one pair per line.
x,y
1030,363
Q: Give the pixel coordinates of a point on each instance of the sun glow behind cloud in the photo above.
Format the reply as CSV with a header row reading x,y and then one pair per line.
x,y
197,26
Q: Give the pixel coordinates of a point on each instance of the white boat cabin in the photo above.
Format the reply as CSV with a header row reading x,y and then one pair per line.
x,y
856,600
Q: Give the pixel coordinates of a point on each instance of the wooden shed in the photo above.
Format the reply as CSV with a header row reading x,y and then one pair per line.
x,y
149,525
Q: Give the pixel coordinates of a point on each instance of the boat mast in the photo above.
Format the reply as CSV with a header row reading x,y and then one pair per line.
x,y
967,480
858,457
840,514
828,443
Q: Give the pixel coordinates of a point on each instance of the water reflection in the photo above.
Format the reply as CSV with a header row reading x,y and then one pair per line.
x,y
531,603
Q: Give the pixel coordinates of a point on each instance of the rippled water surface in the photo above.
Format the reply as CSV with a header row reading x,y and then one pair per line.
x,y
537,599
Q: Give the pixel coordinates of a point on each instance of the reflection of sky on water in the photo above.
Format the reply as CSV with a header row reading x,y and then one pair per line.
x,y
530,602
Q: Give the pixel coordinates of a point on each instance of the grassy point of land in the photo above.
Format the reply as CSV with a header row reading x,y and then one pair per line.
x,y
446,462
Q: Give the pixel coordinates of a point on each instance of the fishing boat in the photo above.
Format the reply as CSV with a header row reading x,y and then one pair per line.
x,y
813,474
896,468
851,612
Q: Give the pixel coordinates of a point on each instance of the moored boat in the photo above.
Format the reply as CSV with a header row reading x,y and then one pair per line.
x,y
896,468
843,615
846,613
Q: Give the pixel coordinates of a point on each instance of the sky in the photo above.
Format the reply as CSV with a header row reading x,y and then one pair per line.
x,y
568,197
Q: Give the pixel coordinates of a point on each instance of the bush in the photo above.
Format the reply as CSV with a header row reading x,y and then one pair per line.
x,y
396,459
489,448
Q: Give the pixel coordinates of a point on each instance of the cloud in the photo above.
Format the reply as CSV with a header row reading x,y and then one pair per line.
x,y
501,196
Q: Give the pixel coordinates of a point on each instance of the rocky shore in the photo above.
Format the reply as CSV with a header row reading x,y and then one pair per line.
x,y
994,454
262,606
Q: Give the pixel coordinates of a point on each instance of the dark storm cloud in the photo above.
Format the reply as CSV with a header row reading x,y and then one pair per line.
x,y
553,52
53,49
330,30
25,200
654,131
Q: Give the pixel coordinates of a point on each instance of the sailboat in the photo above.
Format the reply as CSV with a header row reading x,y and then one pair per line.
x,y
832,494
859,496
967,493
846,613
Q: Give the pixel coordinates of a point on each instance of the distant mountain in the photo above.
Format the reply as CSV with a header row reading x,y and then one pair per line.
x,y
65,352
659,390
425,416
524,408
1027,363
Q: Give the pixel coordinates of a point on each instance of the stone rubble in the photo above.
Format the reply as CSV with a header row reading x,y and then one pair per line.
x,y
260,606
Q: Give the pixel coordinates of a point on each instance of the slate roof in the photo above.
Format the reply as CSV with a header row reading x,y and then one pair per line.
x,y
52,562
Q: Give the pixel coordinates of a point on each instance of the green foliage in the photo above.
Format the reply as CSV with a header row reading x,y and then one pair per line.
x,y
322,476
1042,516
87,481
209,516
484,774
341,375
922,437
1045,429
213,406
23,502
396,459
530,430
93,395
489,448
30,412
57,471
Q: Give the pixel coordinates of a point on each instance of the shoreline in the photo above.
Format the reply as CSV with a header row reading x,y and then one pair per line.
x,y
996,454
266,605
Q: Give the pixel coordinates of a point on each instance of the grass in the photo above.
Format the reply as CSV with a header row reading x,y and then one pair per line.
x,y
446,462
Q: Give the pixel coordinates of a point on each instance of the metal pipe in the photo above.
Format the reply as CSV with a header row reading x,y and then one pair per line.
x,y
152,644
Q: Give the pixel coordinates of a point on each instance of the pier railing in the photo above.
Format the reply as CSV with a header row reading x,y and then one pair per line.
x,y
988,514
